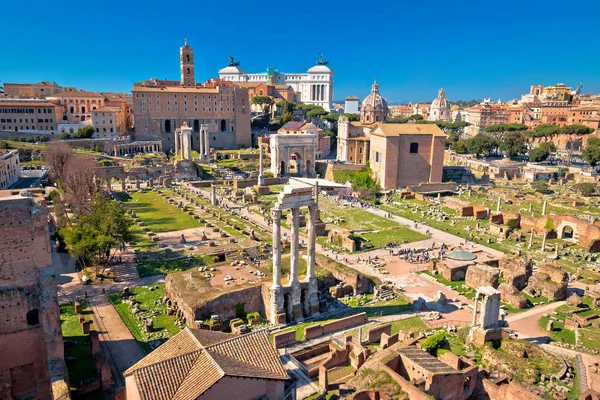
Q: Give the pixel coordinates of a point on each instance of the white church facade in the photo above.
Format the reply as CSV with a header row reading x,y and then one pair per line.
x,y
312,87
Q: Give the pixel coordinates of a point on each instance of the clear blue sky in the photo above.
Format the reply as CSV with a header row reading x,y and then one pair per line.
x,y
473,48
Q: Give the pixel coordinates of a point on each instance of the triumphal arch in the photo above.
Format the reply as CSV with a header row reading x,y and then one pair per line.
x,y
293,154
296,299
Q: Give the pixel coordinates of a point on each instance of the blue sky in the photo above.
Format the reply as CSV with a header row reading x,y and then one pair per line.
x,y
474,49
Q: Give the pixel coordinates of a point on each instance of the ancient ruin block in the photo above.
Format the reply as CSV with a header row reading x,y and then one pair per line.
x,y
386,340
375,334
482,275
85,327
574,300
77,307
511,295
516,271
549,282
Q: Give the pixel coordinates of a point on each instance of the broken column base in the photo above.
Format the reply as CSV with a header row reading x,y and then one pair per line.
x,y
478,336
262,190
278,317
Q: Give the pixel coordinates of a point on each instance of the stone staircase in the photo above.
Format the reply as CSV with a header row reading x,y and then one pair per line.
x,y
385,292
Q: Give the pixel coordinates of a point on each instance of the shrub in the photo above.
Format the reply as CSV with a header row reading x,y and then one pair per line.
x,y
540,187
433,343
585,188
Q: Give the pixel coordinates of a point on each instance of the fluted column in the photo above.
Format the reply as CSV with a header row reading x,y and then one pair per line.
x,y
310,270
261,176
276,215
201,141
294,246
176,143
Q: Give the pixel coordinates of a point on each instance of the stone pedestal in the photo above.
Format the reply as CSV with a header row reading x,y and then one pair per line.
x,y
478,336
262,190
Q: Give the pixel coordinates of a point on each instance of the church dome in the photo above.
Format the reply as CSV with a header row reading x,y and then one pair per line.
x,y
441,101
374,101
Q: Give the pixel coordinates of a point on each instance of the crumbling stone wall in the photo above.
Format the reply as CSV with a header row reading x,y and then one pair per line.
x,y
516,271
511,295
482,275
549,282
452,273
31,345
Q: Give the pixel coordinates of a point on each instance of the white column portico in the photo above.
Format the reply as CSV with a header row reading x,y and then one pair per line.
x,y
297,299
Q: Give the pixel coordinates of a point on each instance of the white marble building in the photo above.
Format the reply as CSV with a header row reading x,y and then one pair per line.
x,y
312,87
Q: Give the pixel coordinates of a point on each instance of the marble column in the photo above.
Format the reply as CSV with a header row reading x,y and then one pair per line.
x,y
276,215
499,204
176,143
312,212
213,195
206,146
201,142
261,175
531,240
294,246
544,207
476,301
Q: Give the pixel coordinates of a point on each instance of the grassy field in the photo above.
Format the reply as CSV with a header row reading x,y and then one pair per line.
x,y
78,353
164,325
158,215
373,230
381,308
160,264
589,337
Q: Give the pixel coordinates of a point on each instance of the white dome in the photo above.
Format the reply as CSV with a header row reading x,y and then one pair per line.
x,y
440,101
232,70
319,69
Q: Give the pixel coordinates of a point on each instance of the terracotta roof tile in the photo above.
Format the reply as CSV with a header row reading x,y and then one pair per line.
x,y
76,94
191,362
407,129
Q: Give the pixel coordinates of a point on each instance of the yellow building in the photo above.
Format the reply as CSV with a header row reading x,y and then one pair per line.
x,y
108,122
39,90
558,92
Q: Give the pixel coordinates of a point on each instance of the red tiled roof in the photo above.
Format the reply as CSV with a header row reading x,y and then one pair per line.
x,y
192,361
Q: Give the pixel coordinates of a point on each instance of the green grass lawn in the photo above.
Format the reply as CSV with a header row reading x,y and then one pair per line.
x,y
456,285
589,337
158,215
78,355
164,325
160,264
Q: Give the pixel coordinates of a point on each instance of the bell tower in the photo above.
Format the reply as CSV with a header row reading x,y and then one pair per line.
x,y
186,62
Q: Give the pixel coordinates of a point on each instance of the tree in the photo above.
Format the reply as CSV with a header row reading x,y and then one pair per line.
x,y
56,156
415,117
263,101
499,130
513,144
480,144
544,130
396,120
317,112
96,235
540,187
460,147
434,342
286,106
540,153
452,138
585,188
79,182
84,132
352,117
591,152
286,117
332,117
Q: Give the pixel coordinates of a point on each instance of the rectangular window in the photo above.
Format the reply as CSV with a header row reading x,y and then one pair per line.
x,y
414,148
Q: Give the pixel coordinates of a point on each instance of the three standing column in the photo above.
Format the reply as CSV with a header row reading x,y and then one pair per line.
x,y
276,215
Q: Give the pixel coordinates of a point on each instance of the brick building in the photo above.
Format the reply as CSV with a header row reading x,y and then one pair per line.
x,y
108,122
200,364
77,106
33,116
31,345
161,106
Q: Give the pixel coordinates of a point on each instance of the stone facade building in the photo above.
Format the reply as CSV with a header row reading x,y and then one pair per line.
x,y
312,87
399,154
10,169
109,122
161,106
39,90
200,364
32,116
31,345
77,106
294,149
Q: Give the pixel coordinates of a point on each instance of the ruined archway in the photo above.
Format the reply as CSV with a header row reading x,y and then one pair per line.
x,y
282,168
567,233
295,164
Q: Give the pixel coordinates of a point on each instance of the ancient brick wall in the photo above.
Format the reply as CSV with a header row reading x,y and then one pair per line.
x,y
374,334
507,391
311,332
511,295
482,275
412,392
516,271
344,323
284,339
387,341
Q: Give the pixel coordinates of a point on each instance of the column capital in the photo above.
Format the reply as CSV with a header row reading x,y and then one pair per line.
x,y
276,214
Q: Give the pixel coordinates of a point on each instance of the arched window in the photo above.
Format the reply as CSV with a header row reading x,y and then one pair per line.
x,y
187,58
187,71
168,126
196,125
223,125
414,147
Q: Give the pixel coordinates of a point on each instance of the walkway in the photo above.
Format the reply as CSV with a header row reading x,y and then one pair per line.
x,y
115,338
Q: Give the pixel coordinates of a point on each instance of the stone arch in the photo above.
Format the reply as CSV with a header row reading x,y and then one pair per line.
x,y
168,126
196,126
567,230
282,168
295,164
223,125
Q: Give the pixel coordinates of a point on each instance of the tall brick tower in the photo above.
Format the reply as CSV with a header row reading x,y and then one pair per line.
x,y
186,61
